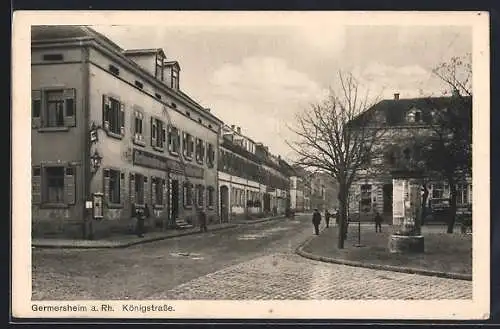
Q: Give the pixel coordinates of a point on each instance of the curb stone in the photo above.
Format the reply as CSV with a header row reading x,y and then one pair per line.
x,y
261,220
130,243
408,270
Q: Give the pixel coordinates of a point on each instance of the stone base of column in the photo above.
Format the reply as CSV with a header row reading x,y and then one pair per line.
x,y
406,244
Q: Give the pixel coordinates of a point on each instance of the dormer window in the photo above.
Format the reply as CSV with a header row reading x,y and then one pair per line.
x,y
159,68
175,79
414,116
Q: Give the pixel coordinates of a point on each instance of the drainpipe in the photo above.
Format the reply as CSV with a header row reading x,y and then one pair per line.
x,y
88,231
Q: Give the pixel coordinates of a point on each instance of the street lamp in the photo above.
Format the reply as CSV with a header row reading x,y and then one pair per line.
x,y
95,161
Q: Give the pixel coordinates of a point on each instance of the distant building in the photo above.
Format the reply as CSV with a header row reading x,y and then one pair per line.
x,y
251,180
312,190
114,121
403,119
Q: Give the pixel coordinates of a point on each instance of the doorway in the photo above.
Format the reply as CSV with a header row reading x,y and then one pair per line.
x,y
174,201
387,191
224,204
267,202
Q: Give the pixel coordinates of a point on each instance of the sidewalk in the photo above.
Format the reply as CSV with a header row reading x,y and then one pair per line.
x,y
446,255
122,241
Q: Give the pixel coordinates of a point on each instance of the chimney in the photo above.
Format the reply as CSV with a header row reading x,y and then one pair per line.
x,y
207,109
232,127
238,130
396,96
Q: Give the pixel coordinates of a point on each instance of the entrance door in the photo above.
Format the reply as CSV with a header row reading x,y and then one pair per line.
x,y
224,204
387,190
174,214
267,202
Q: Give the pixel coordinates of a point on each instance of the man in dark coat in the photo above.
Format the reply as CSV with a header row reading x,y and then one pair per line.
x,y
327,218
378,222
202,219
316,220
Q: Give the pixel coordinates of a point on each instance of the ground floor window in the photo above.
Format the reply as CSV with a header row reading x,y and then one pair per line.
x,y
53,185
438,191
366,197
112,185
157,190
210,196
139,188
188,194
200,189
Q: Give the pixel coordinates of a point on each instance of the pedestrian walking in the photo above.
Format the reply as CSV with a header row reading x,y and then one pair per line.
x,y
316,220
138,213
202,219
327,218
378,222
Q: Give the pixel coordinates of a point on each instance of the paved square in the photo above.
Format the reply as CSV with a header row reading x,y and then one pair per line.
x,y
288,276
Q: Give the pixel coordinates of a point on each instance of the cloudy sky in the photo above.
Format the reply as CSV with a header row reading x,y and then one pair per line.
x,y
258,77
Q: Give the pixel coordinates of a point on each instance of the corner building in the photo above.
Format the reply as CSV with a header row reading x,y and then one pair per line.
x,y
114,121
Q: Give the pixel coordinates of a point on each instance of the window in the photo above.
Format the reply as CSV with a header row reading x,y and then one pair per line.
x,y
188,194
366,196
113,69
175,79
200,190
112,186
157,189
159,68
462,194
113,116
138,124
53,108
210,196
437,191
210,155
139,181
188,146
53,185
53,57
200,150
158,133
139,84
418,116
174,140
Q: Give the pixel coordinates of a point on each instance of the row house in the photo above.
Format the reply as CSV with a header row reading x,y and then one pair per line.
x,y
250,182
114,123
402,120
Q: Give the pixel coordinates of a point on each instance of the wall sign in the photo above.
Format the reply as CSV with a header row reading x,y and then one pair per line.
x,y
150,160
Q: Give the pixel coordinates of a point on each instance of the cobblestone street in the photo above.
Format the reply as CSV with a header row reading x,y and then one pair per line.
x,y
288,276
248,262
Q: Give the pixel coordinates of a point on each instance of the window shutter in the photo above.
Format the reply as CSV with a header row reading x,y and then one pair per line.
x,y
133,116
146,189
106,104
153,191
69,185
153,132
184,144
105,184
178,141
69,96
164,135
170,138
165,192
123,190
36,108
36,185
132,188
122,119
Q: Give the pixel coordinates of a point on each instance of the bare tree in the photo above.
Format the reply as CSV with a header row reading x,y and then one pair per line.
x,y
335,137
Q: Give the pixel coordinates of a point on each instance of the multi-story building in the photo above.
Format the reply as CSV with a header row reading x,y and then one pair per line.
x,y
114,121
402,120
251,180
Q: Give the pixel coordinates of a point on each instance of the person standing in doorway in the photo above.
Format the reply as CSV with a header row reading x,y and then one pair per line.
x,y
316,220
378,222
202,219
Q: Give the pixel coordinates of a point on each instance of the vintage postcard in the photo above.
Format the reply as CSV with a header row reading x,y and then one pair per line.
x,y
250,165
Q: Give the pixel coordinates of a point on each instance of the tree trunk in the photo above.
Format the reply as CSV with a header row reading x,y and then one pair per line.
x,y
342,217
453,208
